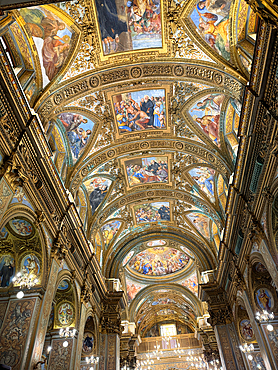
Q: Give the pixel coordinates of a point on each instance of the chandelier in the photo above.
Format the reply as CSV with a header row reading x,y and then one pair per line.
x,y
246,348
196,361
24,281
264,317
177,350
67,333
215,365
92,360
156,352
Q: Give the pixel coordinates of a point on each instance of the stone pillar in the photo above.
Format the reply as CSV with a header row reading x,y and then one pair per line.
x,y
111,331
44,314
266,354
61,357
221,319
127,350
20,319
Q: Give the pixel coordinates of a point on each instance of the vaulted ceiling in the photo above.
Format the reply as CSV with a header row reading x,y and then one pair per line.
x,y
141,103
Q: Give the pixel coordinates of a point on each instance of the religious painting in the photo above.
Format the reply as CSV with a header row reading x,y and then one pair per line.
x,y
131,25
128,257
21,227
246,330
191,283
147,170
88,343
152,212
155,243
264,299
109,230
97,189
52,38
30,265
64,284
260,268
65,314
140,110
153,332
211,19
78,129
204,177
132,288
201,223
7,270
158,261
3,233
206,113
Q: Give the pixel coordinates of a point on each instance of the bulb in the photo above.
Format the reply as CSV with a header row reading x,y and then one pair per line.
x,y
20,295
65,344
250,357
91,368
49,348
269,327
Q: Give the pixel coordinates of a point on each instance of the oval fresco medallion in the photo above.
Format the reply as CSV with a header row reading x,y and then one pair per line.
x,y
65,314
264,299
21,227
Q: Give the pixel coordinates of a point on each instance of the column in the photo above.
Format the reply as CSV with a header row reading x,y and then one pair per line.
x,y
221,319
111,331
25,324
266,355
45,311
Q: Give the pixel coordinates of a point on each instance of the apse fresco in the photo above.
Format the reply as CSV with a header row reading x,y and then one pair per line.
x,y
140,110
147,170
206,113
52,38
132,288
155,243
109,230
152,212
204,177
97,189
201,222
211,19
131,25
191,283
78,129
163,301
158,261
7,270
128,257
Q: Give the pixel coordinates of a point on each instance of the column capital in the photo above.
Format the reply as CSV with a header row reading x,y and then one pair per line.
x,y
110,314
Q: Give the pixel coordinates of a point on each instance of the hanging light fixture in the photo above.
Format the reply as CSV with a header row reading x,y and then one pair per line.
x,y
67,333
24,281
246,348
264,316
92,360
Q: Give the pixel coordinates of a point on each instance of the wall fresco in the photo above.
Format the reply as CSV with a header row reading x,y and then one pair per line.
x,y
109,231
152,212
97,188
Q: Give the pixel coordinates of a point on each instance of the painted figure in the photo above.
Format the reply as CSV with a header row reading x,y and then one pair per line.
x,y
6,271
264,299
140,110
56,41
65,314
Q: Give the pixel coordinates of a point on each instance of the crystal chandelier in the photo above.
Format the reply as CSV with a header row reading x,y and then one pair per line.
x,y
215,365
67,333
264,317
24,281
246,348
156,352
177,350
92,360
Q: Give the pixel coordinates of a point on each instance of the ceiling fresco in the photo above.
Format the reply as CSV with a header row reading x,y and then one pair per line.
x,y
140,102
